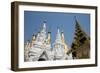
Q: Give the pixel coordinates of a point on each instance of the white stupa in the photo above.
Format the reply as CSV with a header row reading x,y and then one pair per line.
x,y
39,49
58,48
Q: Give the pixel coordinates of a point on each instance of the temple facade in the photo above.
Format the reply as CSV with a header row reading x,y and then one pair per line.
x,y
40,47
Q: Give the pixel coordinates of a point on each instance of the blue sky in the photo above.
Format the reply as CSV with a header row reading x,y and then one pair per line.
x,y
33,21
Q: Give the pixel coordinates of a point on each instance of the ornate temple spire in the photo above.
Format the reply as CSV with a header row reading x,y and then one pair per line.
x,y
43,31
59,50
41,36
44,24
58,37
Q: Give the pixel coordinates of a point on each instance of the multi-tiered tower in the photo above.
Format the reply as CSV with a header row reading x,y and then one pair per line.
x,y
58,48
39,49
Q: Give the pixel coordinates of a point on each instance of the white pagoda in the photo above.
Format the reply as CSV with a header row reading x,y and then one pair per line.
x,y
39,49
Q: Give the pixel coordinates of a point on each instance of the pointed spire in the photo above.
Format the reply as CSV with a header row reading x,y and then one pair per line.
x,y
76,22
41,36
78,26
44,24
58,31
58,37
75,17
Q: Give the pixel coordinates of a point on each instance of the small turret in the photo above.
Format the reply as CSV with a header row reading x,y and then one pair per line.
x,y
62,37
33,40
49,37
64,43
